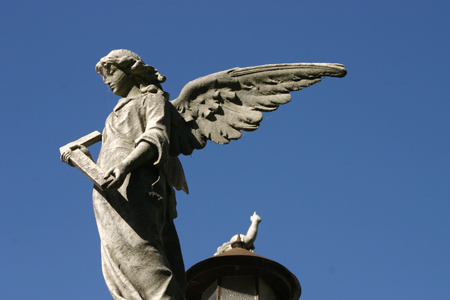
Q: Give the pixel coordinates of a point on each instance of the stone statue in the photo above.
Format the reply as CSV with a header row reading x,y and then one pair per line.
x,y
247,239
138,167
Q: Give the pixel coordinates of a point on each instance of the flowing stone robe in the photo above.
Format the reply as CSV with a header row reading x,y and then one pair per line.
x,y
141,255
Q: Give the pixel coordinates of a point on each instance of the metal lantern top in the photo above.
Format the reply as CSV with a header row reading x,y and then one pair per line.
x,y
240,274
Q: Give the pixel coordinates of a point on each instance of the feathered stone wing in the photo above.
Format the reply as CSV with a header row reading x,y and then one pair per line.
x,y
219,106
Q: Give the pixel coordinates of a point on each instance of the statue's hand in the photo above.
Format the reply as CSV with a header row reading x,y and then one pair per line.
x,y
65,157
119,173
255,218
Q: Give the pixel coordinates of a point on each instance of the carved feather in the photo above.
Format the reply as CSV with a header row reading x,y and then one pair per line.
x,y
219,106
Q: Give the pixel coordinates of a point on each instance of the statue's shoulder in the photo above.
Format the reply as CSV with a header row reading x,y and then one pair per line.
x,y
154,98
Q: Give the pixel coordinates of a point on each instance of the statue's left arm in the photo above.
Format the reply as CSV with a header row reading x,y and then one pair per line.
x,y
143,152
151,146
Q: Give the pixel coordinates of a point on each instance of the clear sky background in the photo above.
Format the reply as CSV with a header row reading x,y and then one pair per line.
x,y
351,178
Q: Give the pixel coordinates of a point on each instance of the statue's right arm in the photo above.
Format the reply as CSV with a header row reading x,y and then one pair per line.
x,y
250,237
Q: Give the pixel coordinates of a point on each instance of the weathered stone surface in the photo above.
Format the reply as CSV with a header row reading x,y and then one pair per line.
x,y
135,204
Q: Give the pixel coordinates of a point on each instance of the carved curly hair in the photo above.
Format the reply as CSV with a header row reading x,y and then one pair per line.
x,y
130,63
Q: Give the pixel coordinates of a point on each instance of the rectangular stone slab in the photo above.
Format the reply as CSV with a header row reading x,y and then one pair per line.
x,y
83,162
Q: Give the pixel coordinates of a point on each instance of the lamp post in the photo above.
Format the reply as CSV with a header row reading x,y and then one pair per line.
x,y
239,274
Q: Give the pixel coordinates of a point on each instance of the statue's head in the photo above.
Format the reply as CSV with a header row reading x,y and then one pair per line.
x,y
132,65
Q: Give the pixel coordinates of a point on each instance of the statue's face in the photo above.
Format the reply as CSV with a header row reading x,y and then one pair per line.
x,y
118,81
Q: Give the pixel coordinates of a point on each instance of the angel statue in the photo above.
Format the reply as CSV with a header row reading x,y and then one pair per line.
x,y
138,167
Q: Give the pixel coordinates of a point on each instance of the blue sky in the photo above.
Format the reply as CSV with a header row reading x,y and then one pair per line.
x,y
351,178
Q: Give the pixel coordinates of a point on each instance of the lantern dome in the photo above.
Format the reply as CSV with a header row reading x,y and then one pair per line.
x,y
240,274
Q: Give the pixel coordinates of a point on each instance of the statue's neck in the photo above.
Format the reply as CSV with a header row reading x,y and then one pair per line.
x,y
134,91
